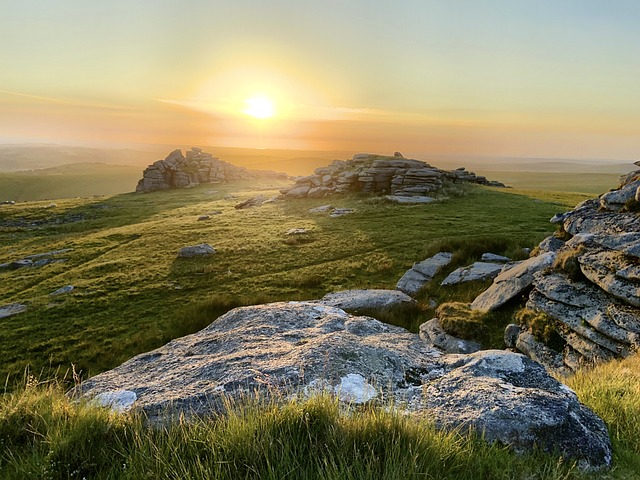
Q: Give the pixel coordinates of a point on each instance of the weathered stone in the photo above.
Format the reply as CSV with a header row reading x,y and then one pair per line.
x,y
601,268
550,244
511,399
178,171
511,333
201,250
477,271
617,199
321,209
433,333
423,272
297,231
12,309
251,202
511,282
492,257
580,305
278,350
396,176
538,351
62,290
408,199
367,300
341,212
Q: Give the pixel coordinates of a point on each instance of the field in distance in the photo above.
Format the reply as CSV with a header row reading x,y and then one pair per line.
x,y
49,171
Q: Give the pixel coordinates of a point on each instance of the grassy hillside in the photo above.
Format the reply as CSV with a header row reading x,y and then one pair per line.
x,y
67,181
132,294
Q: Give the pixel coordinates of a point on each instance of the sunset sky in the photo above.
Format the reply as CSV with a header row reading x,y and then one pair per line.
x,y
550,78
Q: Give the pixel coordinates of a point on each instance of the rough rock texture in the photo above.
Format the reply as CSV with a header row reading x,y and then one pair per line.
x,y
301,348
511,282
423,272
477,271
12,309
433,333
36,260
396,176
201,250
178,170
591,294
359,300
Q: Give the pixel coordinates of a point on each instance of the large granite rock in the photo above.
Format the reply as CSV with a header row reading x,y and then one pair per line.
x,y
402,180
200,250
423,272
180,171
591,293
512,282
433,333
299,348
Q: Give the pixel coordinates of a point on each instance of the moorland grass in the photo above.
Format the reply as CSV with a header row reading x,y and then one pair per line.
x,y
44,435
133,294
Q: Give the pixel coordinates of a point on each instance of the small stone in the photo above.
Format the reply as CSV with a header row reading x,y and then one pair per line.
x,y
492,257
203,217
12,309
63,290
297,231
511,333
201,250
340,212
321,209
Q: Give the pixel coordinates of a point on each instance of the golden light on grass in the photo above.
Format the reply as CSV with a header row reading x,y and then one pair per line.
x,y
259,107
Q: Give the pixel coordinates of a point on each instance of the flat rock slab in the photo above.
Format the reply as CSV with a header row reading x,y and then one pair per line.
x,y
201,250
341,212
410,199
477,271
512,282
321,209
423,272
12,309
358,300
300,348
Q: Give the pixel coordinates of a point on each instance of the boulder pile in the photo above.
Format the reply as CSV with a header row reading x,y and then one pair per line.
x,y
584,284
197,167
392,175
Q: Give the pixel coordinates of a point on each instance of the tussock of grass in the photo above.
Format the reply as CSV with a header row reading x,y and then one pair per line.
x,y
612,390
543,327
459,320
50,437
567,262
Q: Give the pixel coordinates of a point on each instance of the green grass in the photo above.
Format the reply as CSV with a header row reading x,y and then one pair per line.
x,y
44,435
133,294
77,180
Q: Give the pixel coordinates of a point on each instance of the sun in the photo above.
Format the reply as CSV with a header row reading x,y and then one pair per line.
x,y
259,106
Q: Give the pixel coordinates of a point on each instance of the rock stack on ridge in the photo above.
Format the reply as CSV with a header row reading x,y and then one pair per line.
x,y
391,175
587,291
194,168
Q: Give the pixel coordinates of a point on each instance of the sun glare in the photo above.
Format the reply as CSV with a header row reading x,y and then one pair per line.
x,y
259,107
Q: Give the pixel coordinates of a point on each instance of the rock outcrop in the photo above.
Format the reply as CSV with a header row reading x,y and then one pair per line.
x,y
300,348
396,176
588,287
423,272
197,167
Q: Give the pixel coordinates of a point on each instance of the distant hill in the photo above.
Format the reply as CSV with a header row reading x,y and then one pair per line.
x,y
66,181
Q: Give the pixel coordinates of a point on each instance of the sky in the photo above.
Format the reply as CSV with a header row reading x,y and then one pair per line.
x,y
550,78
